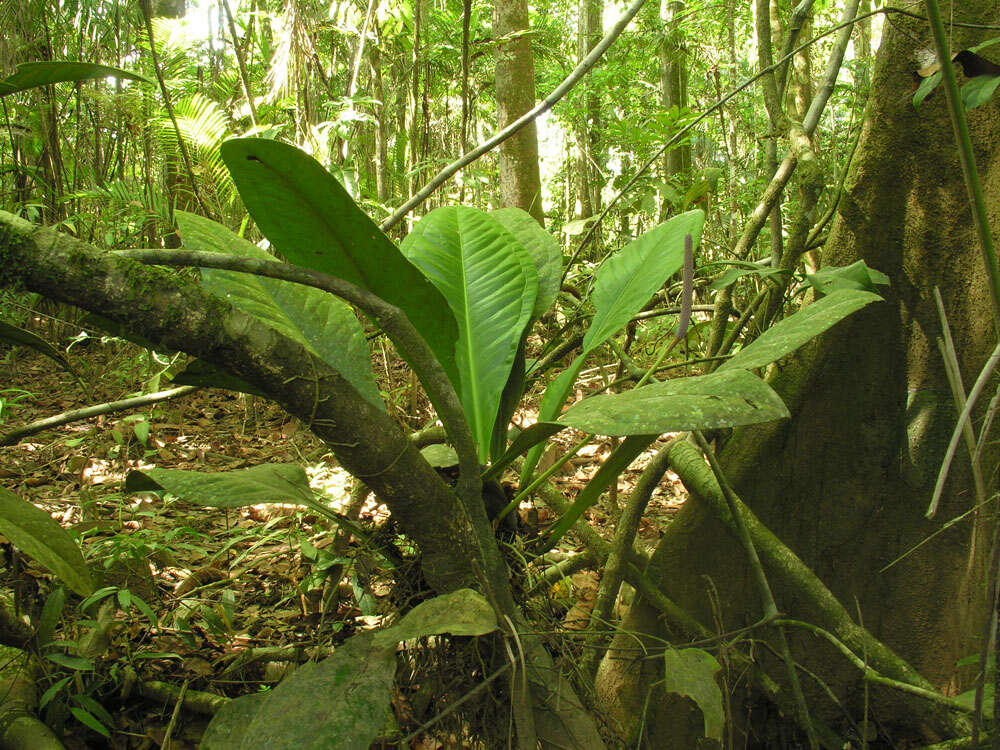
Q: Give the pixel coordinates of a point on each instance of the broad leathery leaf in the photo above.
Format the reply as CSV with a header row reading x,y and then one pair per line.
x,y
728,398
490,283
691,672
267,483
19,336
312,221
927,85
547,257
858,275
40,537
544,251
318,320
609,472
340,702
979,90
731,275
510,399
205,374
789,334
34,74
462,612
631,276
229,727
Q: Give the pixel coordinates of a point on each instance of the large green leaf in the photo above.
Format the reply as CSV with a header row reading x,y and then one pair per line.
x,y
323,323
312,221
786,336
340,702
228,729
14,335
631,276
544,251
547,257
855,276
33,74
490,283
343,701
623,285
691,672
40,537
206,375
462,612
268,483
725,398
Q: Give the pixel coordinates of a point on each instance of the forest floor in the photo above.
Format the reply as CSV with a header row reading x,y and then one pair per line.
x,y
237,595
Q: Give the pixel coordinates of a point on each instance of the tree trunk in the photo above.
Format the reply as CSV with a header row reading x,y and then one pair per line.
x,y
520,179
673,80
846,481
589,160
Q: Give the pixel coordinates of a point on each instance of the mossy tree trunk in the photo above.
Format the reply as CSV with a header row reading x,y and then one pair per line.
x,y
845,483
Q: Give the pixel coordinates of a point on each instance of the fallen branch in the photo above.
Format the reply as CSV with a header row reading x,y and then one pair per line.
x,y
76,415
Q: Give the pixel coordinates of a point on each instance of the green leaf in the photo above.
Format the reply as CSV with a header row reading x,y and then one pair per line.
x,y
38,535
312,221
544,251
789,334
691,672
462,612
728,398
51,612
631,276
968,698
230,727
355,684
731,275
490,283
205,374
440,456
342,701
510,399
31,75
979,90
855,276
86,718
14,335
268,483
926,86
71,662
118,330
609,472
321,322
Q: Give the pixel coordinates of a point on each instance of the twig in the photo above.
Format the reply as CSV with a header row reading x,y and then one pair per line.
x,y
165,745
15,436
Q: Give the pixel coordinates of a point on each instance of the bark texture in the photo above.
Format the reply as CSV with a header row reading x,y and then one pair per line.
x,y
846,482
520,179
